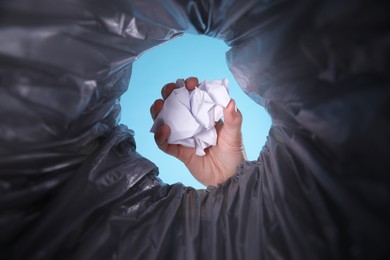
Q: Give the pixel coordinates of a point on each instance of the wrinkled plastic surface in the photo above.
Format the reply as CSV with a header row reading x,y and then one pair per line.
x,y
72,185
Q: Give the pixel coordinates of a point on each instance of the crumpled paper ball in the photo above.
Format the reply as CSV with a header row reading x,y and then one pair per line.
x,y
191,115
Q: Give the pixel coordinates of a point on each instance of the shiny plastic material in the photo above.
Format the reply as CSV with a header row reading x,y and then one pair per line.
x,y
72,185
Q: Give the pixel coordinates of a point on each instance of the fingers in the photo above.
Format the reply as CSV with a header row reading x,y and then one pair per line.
x,y
233,121
182,153
156,108
167,90
161,137
191,83
232,115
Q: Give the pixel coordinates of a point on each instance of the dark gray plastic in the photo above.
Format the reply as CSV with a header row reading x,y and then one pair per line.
x,y
72,185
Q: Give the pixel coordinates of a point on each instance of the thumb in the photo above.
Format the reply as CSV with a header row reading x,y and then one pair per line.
x,y
232,123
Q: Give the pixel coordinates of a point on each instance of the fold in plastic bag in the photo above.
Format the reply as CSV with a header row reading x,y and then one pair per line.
x,y
72,185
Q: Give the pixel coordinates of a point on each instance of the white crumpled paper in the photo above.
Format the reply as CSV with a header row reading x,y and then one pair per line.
x,y
191,115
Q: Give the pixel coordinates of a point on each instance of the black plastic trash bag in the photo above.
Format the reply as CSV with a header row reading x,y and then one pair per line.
x,y
72,185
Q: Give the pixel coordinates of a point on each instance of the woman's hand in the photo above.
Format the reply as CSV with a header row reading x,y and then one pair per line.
x,y
221,160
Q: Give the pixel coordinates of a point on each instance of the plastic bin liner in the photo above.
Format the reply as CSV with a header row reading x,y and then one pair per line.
x,y
72,185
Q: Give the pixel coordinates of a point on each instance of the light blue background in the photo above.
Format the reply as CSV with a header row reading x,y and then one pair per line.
x,y
189,55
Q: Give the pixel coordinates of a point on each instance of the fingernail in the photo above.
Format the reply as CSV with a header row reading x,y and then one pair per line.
x,y
234,104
